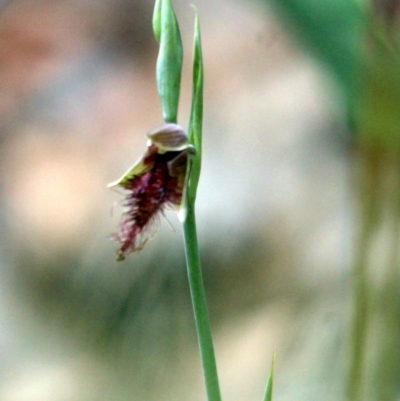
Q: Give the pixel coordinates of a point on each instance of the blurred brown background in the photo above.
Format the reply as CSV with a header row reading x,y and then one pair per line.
x,y
77,95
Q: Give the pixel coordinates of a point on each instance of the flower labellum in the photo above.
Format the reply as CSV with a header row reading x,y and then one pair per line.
x,y
153,184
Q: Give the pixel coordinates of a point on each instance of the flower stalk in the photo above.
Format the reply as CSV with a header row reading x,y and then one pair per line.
x,y
199,304
167,175
169,65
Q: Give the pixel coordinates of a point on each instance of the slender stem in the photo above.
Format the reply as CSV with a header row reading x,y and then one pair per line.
x,y
369,175
200,307
387,297
360,320
371,193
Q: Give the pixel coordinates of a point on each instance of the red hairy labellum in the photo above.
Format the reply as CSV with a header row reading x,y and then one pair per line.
x,y
154,184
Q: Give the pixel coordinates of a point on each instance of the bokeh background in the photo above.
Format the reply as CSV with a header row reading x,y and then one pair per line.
x,y
77,95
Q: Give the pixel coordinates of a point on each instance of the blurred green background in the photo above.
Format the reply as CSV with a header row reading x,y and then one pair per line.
x,y
276,203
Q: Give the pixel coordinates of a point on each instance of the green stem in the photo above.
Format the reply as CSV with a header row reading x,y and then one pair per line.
x,y
360,320
369,175
200,307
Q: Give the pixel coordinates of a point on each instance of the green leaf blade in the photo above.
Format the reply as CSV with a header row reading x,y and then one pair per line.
x,y
268,388
196,114
332,29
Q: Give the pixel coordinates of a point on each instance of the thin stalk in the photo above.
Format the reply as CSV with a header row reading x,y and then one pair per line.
x,y
200,307
387,348
360,320
369,198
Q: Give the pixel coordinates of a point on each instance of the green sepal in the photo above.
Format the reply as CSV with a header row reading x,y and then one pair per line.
x,y
137,169
170,58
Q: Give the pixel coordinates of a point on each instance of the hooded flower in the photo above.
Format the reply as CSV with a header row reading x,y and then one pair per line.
x,y
153,184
